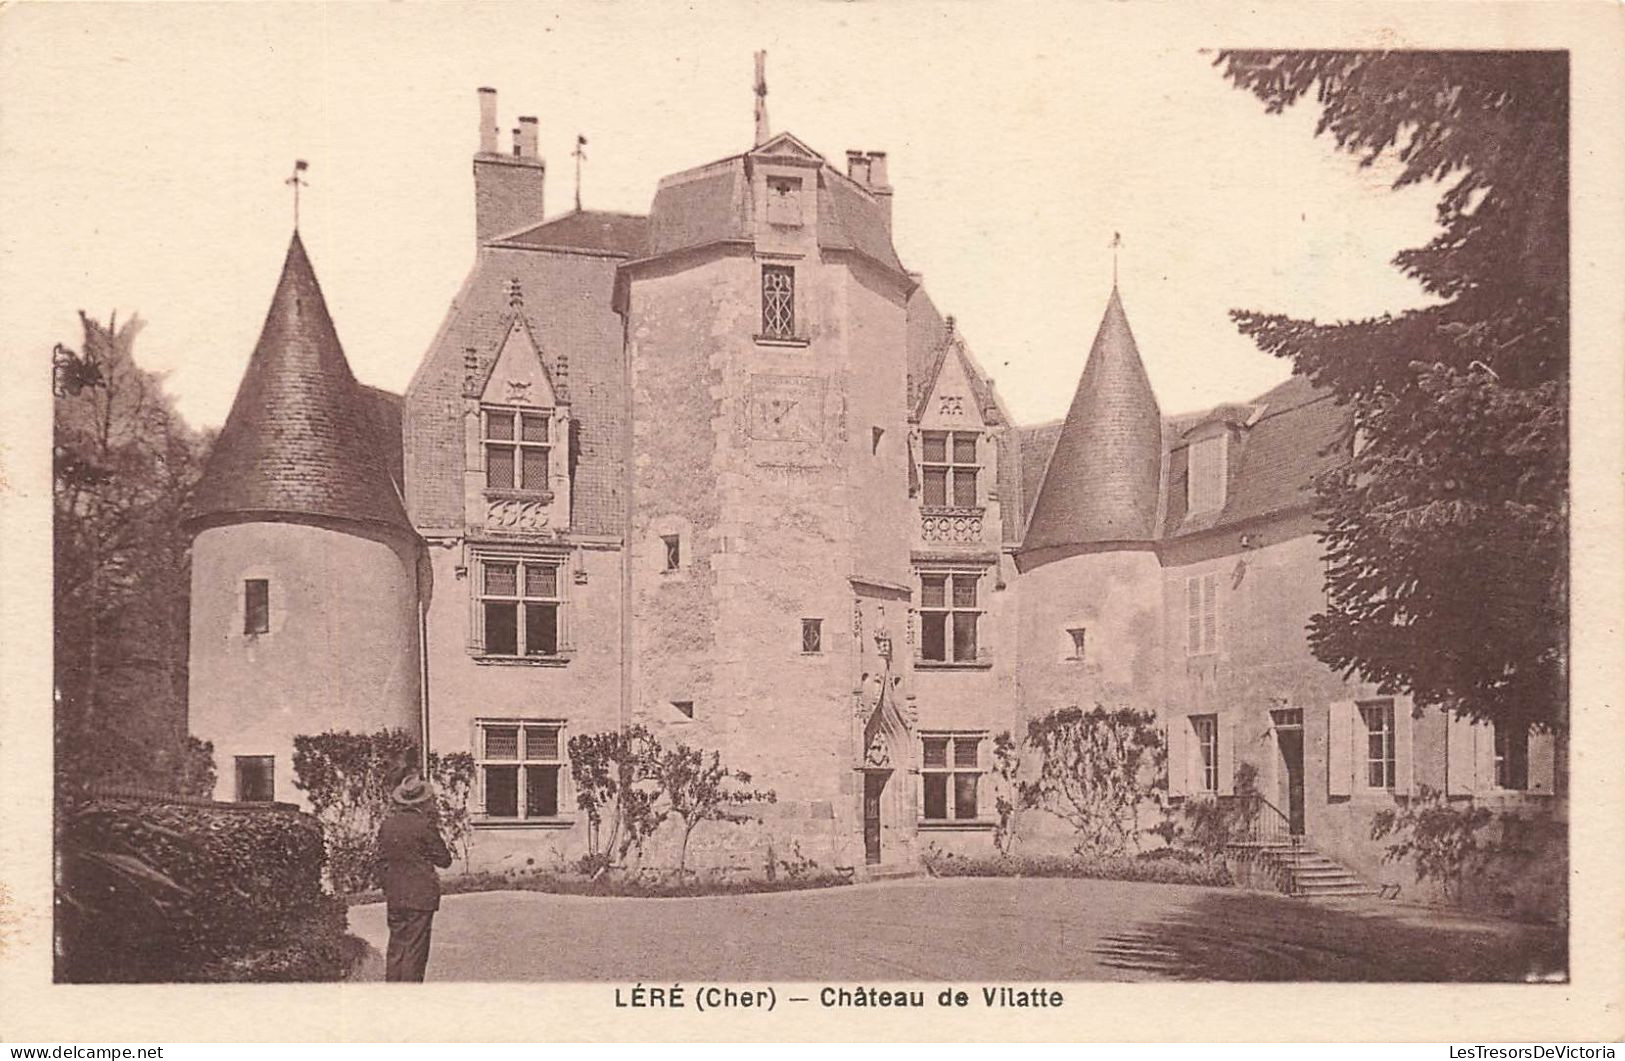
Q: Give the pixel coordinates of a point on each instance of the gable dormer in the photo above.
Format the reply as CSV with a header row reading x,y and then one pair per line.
x,y
784,176
957,455
517,475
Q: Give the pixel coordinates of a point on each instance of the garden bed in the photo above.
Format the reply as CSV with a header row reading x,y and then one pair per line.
x,y
641,886
1163,866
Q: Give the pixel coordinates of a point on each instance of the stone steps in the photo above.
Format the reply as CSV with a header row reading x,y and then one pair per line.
x,y
1312,874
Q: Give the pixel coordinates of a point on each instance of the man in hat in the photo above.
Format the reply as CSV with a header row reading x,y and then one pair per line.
x,y
409,847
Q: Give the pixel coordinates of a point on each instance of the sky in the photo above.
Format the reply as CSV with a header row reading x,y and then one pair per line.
x,y
144,149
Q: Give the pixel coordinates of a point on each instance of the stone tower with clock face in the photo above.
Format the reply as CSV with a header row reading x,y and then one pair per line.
x,y
768,490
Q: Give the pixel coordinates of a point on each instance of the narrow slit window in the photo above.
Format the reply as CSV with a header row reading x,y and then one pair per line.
x,y
257,606
812,636
672,548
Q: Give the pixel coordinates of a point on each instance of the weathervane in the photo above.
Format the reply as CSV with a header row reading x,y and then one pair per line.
x,y
1116,244
299,166
761,99
581,142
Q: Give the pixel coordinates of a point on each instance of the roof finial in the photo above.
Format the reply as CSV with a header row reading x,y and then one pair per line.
x,y
299,166
1116,244
581,142
762,134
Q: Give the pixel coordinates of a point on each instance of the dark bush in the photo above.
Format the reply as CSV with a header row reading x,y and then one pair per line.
x,y
1169,869
152,890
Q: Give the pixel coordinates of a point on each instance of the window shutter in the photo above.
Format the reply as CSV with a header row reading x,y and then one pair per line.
x,y
1227,755
1178,727
1484,739
1404,724
1460,765
566,626
1339,746
1193,616
476,614
1210,613
1542,762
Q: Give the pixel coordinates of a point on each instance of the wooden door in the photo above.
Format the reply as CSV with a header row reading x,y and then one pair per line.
x,y
873,786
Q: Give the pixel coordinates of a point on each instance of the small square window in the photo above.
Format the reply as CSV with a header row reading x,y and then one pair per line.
x,y
684,707
673,551
783,201
1080,641
256,778
257,606
812,635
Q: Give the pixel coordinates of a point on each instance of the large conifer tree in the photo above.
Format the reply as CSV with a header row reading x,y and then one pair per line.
x,y
1446,536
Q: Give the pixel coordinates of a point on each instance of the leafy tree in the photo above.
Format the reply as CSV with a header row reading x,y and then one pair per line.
x,y
348,778
1095,769
699,789
124,464
615,774
1446,533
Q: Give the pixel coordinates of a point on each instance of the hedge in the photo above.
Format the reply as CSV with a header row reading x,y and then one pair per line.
x,y
181,890
1154,867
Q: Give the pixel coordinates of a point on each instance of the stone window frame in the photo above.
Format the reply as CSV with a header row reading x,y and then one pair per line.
x,y
672,553
815,628
1078,647
483,558
951,607
517,416
521,762
784,199
779,318
951,466
947,771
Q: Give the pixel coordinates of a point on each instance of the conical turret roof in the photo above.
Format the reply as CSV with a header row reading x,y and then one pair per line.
x,y
302,438
1104,477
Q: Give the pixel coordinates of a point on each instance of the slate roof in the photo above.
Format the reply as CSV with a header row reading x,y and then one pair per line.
x,y
1299,433
566,304
303,437
596,231
712,203
1103,478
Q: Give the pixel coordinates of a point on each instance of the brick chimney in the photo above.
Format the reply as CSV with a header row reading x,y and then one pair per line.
x,y
868,168
507,188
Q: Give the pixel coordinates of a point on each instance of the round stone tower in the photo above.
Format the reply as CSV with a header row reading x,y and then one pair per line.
x,y
1091,587
305,580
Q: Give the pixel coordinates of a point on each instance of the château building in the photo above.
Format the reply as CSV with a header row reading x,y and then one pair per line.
x,y
725,471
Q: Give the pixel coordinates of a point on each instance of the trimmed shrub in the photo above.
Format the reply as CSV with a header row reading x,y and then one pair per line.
x,y
159,891
1151,868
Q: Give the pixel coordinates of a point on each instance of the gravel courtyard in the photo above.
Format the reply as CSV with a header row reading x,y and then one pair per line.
x,y
990,929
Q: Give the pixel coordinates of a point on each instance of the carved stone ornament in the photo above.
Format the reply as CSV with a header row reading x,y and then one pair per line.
x,y
518,391
513,515
878,753
951,405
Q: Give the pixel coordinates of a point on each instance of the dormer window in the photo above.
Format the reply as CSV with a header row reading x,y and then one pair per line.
x,y
784,200
516,445
949,468
1206,475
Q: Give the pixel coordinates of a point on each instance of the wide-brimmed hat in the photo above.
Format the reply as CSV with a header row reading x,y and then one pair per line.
x,y
413,792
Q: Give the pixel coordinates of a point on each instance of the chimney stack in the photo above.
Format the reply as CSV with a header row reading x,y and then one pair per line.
x,y
868,168
525,137
857,167
488,121
507,188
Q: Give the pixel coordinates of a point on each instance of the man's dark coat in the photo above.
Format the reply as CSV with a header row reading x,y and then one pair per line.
x,y
409,847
